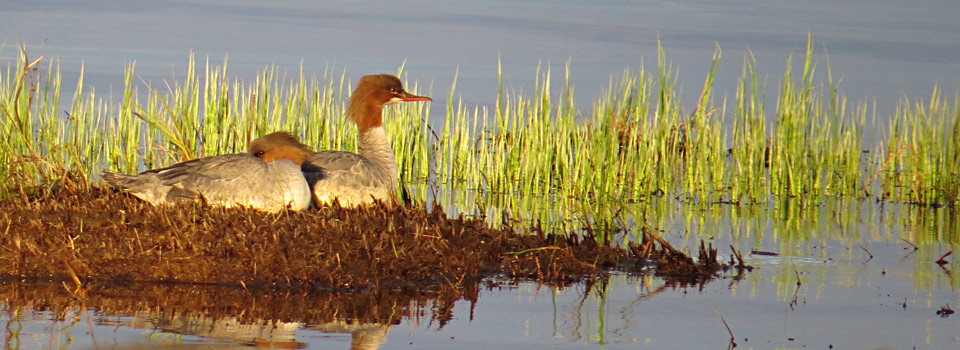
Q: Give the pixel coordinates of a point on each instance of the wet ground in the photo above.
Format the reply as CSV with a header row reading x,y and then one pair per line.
x,y
193,276
84,234
243,277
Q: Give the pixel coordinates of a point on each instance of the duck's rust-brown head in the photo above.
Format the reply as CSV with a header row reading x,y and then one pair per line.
x,y
279,145
374,91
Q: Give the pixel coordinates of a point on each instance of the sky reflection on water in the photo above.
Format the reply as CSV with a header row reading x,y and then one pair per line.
x,y
847,303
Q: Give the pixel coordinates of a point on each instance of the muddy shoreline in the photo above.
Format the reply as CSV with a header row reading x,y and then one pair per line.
x,y
82,234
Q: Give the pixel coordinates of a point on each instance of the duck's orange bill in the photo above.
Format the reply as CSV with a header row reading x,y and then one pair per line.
x,y
408,97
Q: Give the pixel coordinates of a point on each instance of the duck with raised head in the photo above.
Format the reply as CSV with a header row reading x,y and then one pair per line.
x,y
370,175
256,179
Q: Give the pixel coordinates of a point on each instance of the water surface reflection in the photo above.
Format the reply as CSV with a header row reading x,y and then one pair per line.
x,y
38,314
847,300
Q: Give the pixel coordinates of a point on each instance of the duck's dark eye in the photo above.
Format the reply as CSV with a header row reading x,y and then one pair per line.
x,y
259,154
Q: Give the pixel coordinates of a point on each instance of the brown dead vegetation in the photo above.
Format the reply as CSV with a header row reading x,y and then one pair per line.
x,y
80,234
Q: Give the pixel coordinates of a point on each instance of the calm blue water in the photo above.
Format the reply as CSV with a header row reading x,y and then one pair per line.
x,y
845,301
878,50
882,50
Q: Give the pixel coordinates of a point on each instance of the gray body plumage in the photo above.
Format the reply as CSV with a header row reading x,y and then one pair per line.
x,y
227,180
354,179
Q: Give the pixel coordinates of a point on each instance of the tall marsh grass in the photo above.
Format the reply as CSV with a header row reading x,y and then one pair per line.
x,y
200,114
538,158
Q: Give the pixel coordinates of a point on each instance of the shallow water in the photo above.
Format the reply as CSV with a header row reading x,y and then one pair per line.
x,y
866,288
881,50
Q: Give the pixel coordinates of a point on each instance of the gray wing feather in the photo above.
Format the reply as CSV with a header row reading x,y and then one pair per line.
x,y
216,174
346,176
342,169
227,180
332,161
187,180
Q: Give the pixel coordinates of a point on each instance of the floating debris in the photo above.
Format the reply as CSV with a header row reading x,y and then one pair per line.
x,y
945,311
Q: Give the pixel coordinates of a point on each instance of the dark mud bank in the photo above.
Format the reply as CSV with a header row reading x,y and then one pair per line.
x,y
84,234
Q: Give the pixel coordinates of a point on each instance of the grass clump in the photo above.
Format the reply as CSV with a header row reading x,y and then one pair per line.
x,y
545,160
918,162
201,114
